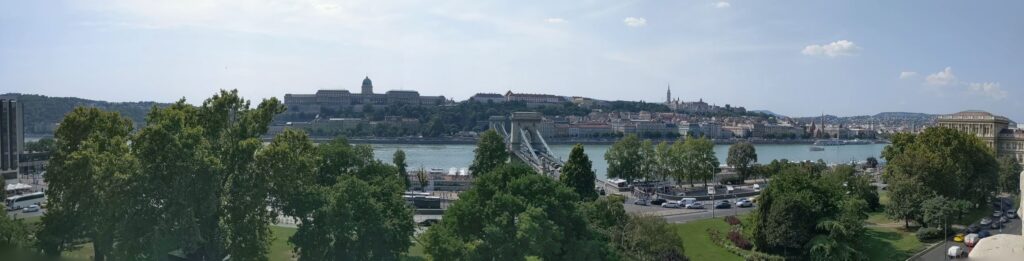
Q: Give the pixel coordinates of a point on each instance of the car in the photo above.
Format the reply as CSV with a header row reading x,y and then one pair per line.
x,y
428,222
744,203
670,204
997,214
985,221
658,201
956,252
640,202
1011,214
723,204
1003,219
973,228
757,187
984,234
996,225
695,205
971,239
959,237
31,208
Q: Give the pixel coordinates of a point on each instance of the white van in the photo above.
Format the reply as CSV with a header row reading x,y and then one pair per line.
x,y
686,201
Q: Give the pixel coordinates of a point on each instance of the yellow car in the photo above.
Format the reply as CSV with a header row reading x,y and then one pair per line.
x,y
959,237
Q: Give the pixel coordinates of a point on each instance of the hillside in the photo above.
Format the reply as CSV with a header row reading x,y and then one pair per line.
x,y
42,113
884,118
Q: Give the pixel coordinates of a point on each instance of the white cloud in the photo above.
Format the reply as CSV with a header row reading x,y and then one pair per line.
x,y
990,89
907,75
635,21
945,77
555,20
837,48
722,4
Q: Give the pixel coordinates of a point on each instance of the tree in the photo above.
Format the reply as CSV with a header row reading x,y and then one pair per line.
x,y
14,234
578,175
490,153
663,167
700,160
905,198
938,212
421,176
399,160
510,213
809,212
944,159
46,145
626,159
86,175
741,156
1009,174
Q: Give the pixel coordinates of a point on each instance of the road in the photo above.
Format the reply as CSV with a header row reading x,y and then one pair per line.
x,y
939,253
682,215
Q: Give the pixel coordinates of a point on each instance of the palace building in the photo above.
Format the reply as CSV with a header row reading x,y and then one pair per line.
x,y
1001,134
339,100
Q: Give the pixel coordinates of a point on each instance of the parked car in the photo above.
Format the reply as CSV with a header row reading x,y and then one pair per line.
x,y
695,205
984,234
959,237
31,208
670,204
956,252
640,202
723,204
1003,219
985,221
971,239
658,201
997,214
996,225
757,187
1011,214
973,228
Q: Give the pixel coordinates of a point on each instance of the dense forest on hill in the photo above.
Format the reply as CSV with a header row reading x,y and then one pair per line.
x,y
42,113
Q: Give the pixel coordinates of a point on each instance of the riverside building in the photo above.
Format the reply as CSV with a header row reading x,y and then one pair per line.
x,y
997,131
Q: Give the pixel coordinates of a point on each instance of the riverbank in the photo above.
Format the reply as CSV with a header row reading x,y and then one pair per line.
x,y
554,141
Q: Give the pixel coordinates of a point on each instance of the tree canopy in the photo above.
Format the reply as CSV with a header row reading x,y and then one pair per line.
x,y
578,175
742,155
490,153
626,159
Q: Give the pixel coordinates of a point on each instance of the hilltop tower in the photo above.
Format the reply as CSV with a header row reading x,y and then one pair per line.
x,y
668,95
367,86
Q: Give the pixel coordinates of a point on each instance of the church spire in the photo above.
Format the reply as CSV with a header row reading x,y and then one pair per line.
x,y
668,94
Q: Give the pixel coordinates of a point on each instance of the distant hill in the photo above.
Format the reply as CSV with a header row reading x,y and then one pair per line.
x,y
884,118
776,115
42,113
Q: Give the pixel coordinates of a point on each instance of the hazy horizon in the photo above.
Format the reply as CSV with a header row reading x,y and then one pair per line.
x,y
798,58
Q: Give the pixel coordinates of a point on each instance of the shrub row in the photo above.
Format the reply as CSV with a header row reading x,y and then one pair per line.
x,y
928,234
749,255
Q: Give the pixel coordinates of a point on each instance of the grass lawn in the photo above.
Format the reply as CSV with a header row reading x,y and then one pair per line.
x,y
884,239
698,245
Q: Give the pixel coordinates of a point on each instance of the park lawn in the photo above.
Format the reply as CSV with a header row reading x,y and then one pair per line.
x,y
696,243
889,243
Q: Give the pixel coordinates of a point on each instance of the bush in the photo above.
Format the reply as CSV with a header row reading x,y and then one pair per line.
x,y
738,240
732,220
928,234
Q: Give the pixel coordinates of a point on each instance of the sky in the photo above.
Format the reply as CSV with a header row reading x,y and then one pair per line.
x,y
796,58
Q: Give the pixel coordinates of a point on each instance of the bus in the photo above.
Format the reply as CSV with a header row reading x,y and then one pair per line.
x,y
23,201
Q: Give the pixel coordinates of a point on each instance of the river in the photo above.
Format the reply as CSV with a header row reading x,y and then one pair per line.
x,y
461,155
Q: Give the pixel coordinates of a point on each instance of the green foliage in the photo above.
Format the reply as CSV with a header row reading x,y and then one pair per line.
x,y
626,159
928,234
41,112
87,177
741,156
399,160
14,234
810,212
699,159
938,212
490,153
950,163
871,162
578,175
510,213
937,162
648,238
1009,174
46,145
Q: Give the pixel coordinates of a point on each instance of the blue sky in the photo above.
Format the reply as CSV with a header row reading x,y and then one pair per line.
x,y
797,58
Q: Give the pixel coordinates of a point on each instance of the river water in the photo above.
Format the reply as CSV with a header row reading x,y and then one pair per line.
x,y
461,155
